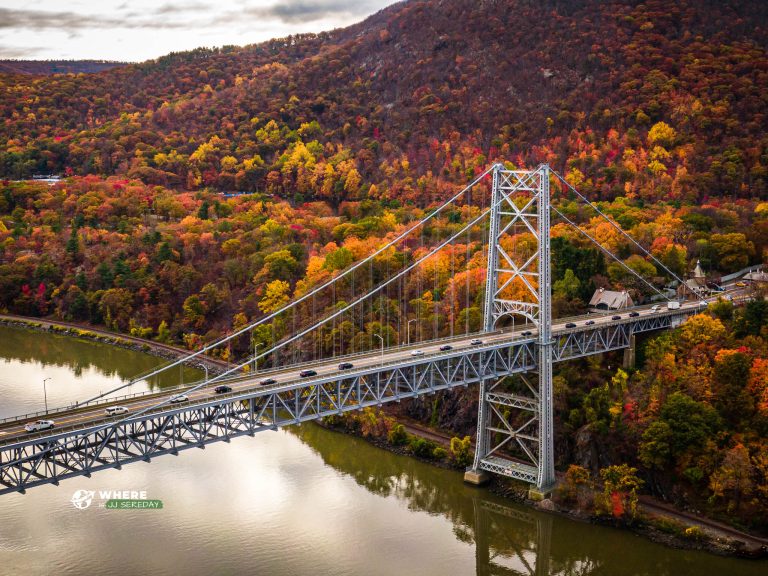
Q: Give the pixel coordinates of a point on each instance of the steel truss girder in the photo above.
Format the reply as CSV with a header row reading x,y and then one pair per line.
x,y
80,451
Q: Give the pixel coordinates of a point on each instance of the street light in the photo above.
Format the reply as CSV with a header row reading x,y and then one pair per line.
x,y
204,367
45,394
255,361
382,347
409,329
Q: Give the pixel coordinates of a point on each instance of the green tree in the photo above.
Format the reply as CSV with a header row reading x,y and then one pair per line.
x,y
684,426
569,286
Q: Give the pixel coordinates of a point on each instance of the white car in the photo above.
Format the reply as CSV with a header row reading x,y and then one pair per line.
x,y
113,410
476,342
417,353
39,425
176,398
655,308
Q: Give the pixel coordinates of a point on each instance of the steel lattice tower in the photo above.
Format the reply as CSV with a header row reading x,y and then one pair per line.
x,y
518,283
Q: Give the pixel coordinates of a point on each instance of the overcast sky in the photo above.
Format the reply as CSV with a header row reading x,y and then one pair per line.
x,y
136,30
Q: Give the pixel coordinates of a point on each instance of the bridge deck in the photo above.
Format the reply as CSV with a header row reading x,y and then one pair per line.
x,y
85,440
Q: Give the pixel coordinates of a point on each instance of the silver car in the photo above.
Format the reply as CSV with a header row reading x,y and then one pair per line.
x,y
113,410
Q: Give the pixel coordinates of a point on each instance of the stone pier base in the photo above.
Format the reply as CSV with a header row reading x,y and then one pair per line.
x,y
476,477
538,494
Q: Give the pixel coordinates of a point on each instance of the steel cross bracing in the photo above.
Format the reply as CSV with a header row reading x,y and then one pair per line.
x,y
80,450
519,203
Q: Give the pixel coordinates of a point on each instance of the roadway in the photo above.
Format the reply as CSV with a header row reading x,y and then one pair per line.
x,y
84,415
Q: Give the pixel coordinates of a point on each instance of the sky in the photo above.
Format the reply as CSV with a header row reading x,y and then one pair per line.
x,y
138,30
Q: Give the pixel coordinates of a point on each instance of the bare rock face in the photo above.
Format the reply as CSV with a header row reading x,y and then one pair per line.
x,y
585,450
546,504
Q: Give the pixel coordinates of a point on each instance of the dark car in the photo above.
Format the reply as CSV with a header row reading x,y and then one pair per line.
x,y
223,389
526,333
615,317
268,381
307,373
589,323
634,314
570,325
445,347
346,365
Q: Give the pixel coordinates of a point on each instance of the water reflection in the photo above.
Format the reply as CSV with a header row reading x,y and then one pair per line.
x,y
78,369
508,538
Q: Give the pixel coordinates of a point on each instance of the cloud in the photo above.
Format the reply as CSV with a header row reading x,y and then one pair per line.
x,y
295,11
19,52
46,20
185,8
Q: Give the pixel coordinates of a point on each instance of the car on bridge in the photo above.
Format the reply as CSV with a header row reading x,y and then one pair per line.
x,y
177,398
39,425
446,347
223,389
346,365
634,314
268,381
617,317
589,323
570,325
655,308
114,410
307,373
526,333
476,342
417,353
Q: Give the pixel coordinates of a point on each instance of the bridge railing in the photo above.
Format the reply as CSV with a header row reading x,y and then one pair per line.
x,y
238,394
235,395
269,371
264,372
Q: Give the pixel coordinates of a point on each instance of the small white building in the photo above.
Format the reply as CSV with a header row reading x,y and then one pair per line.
x,y
604,299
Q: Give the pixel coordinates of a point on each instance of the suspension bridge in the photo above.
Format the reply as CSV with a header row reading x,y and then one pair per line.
x,y
345,344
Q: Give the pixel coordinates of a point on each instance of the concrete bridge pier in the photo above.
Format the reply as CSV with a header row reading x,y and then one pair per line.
x,y
629,354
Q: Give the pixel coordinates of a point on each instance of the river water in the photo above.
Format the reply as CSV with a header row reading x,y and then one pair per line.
x,y
292,502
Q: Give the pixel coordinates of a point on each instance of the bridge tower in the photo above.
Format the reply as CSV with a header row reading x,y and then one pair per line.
x,y
518,284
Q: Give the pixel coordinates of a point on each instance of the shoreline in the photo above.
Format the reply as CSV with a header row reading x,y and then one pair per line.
x,y
661,526
125,341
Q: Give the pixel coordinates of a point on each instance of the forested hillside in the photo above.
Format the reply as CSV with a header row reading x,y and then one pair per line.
x,y
337,142
41,67
646,100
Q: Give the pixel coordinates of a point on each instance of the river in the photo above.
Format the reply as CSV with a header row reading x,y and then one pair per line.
x,y
293,502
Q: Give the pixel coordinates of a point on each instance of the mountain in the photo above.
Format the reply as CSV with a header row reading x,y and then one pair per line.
x,y
56,66
643,99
